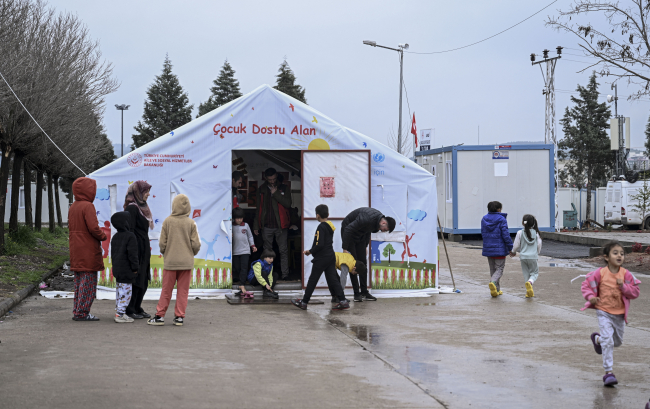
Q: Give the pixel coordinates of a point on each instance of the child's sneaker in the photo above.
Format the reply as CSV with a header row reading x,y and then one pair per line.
x,y
369,297
156,320
298,303
178,321
493,289
358,298
270,294
529,290
249,295
343,305
609,379
120,319
335,300
597,347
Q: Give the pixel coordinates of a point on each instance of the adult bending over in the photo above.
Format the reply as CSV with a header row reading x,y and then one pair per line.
x,y
141,221
85,249
355,234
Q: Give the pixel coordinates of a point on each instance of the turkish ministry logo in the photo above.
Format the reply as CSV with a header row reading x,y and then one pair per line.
x,y
134,159
378,157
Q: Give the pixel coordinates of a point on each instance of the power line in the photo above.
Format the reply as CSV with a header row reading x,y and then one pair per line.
x,y
37,124
485,39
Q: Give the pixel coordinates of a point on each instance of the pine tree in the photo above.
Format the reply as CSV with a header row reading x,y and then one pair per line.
x,y
286,82
166,108
586,144
226,89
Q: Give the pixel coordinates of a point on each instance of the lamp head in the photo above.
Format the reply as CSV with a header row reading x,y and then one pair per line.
x,y
404,46
368,42
532,57
610,98
559,50
545,53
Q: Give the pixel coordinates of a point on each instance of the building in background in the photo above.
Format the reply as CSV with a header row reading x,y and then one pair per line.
x,y
63,200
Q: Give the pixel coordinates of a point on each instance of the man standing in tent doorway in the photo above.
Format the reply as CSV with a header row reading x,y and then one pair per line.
x,y
237,177
355,234
272,216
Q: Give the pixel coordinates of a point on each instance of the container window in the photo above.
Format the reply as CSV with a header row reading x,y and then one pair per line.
x,y
448,181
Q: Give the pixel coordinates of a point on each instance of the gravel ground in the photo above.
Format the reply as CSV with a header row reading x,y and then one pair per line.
x,y
550,248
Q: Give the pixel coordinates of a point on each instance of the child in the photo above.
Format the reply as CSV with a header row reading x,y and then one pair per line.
x,y
496,243
531,245
324,261
179,243
261,273
124,256
242,243
343,263
609,290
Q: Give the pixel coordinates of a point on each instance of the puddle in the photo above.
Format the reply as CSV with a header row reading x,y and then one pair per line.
x,y
361,332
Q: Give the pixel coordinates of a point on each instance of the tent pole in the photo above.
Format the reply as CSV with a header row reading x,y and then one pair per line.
x,y
442,235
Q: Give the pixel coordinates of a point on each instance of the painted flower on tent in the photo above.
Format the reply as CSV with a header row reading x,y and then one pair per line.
x,y
197,213
417,215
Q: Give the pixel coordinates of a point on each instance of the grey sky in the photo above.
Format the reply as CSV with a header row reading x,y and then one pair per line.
x,y
491,84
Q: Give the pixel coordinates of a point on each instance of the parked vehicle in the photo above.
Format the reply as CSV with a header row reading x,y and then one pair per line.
x,y
619,204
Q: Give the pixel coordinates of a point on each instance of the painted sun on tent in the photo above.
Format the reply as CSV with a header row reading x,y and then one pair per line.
x,y
318,142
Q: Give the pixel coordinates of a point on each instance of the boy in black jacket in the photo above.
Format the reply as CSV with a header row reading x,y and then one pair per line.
x,y
324,261
124,256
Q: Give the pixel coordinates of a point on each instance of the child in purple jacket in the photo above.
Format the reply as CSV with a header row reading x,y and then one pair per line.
x,y
609,290
497,243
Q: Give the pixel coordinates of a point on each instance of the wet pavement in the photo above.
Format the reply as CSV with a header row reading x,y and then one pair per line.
x,y
449,350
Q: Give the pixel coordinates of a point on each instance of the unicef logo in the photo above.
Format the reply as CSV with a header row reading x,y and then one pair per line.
x,y
378,157
134,160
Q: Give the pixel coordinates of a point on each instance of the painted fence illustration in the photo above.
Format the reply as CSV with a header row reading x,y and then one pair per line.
x,y
205,274
396,278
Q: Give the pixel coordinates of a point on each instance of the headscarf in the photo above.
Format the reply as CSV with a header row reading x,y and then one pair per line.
x,y
135,197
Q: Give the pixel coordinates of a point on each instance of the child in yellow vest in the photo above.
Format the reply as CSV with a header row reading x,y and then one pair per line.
x,y
343,263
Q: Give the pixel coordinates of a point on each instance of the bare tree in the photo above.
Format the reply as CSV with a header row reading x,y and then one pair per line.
x,y
620,45
407,140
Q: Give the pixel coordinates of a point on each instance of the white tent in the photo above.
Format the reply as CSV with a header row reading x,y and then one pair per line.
x,y
268,128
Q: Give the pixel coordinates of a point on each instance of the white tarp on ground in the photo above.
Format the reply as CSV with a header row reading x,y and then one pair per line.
x,y
196,160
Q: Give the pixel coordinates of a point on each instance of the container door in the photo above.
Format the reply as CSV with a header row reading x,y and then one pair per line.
x,y
338,179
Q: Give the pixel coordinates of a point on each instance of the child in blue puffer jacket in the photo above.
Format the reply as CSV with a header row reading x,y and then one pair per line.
x,y
497,243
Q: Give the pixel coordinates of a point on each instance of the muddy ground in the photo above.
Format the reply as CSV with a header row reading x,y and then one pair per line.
x,y
449,350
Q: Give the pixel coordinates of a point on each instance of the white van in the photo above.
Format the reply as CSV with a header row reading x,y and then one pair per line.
x,y
619,204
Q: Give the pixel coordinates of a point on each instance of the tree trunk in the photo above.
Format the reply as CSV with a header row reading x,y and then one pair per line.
x,y
15,191
50,201
27,182
38,216
4,179
59,220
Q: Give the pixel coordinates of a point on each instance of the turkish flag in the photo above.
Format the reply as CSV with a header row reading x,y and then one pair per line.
x,y
414,130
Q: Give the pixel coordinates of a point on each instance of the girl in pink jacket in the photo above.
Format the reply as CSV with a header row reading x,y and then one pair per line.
x,y
609,290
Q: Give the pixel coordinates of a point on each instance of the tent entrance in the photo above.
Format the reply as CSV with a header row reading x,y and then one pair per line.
x,y
253,164
341,180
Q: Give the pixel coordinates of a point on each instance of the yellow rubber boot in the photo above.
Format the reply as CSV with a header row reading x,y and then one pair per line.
x,y
529,290
500,292
493,289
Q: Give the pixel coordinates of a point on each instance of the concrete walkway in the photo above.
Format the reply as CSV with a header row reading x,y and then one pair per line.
x,y
450,350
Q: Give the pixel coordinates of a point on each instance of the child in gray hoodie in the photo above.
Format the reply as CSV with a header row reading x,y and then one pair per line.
x,y
529,244
242,243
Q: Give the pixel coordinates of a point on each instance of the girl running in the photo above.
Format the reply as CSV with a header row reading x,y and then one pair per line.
x,y
609,290
529,244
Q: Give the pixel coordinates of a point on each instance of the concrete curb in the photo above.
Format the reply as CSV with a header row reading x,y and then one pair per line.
x,y
20,295
597,244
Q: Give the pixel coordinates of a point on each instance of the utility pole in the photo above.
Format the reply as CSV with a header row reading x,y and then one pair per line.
x,y
616,133
122,108
549,123
400,49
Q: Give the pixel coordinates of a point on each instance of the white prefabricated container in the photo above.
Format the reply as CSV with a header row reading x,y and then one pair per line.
x,y
521,177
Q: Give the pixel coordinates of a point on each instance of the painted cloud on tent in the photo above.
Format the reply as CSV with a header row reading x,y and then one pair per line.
x,y
417,215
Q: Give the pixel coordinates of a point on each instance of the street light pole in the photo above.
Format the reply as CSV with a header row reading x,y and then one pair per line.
x,y
400,49
122,108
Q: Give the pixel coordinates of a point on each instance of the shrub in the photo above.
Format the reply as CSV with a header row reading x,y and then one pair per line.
x,y
637,247
647,250
38,235
24,236
12,248
59,232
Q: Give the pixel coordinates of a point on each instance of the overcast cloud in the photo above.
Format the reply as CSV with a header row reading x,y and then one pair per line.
x,y
491,84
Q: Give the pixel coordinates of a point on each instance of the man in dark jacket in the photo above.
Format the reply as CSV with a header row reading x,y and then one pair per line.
x,y
355,233
85,248
273,216
496,243
124,257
